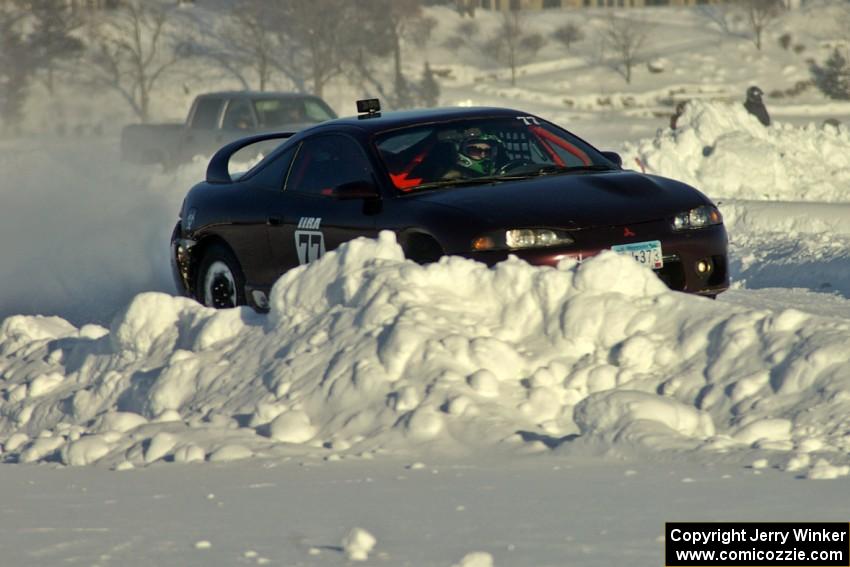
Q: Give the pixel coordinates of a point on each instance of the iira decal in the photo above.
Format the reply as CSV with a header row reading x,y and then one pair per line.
x,y
309,223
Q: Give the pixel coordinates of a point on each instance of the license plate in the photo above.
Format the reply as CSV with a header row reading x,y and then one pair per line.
x,y
646,253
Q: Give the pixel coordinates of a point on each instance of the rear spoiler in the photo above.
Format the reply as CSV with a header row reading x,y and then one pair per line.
x,y
218,171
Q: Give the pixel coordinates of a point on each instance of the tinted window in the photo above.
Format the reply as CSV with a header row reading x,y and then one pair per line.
x,y
327,162
206,113
485,147
274,173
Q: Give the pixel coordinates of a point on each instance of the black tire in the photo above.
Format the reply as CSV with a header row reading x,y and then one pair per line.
x,y
220,282
422,249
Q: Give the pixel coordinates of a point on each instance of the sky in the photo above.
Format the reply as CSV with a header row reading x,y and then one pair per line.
x,y
453,413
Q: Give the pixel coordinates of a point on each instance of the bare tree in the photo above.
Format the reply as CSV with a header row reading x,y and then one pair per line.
x,y
429,87
15,67
567,34
760,14
320,33
53,25
246,46
626,40
513,45
389,24
721,15
35,35
133,50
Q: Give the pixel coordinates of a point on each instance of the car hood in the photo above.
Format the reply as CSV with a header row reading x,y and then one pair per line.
x,y
578,200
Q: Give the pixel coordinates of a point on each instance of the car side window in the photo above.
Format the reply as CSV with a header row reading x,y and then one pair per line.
x,y
273,174
326,162
206,113
238,116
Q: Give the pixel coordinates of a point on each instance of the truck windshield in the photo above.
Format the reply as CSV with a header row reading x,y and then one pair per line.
x,y
273,113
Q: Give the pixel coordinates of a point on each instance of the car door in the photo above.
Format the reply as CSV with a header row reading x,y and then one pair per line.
x,y
307,220
252,216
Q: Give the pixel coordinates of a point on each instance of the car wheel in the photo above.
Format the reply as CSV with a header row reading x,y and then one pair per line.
x,y
422,249
220,282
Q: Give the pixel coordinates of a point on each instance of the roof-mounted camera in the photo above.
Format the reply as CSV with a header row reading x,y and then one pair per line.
x,y
368,108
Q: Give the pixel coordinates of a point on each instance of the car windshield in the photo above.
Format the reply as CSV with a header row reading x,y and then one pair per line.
x,y
463,152
276,112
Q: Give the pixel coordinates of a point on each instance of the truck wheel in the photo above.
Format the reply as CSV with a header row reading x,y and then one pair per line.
x,y
220,282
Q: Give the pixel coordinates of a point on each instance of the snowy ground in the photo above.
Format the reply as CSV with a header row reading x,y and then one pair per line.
x,y
528,512
535,416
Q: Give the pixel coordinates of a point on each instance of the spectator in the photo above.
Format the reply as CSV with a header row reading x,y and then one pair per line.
x,y
755,105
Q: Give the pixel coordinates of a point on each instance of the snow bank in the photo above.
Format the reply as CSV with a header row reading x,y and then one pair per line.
x,y
366,352
644,102
778,244
727,153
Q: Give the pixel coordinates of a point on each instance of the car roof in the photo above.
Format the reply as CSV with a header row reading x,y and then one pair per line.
x,y
401,118
256,95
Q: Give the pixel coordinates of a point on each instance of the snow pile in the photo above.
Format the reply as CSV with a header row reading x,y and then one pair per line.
x,y
476,559
357,544
366,352
727,153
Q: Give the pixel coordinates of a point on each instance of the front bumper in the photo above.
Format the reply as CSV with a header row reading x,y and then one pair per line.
x,y
682,253
181,262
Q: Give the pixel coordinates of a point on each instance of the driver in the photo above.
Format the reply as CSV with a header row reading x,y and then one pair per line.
x,y
477,155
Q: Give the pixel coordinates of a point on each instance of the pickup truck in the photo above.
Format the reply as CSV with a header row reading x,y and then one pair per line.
x,y
216,119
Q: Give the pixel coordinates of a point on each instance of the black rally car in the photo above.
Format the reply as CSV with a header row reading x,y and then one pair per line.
x,y
482,183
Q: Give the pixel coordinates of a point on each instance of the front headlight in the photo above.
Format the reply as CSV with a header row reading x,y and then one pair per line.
x,y
519,238
700,217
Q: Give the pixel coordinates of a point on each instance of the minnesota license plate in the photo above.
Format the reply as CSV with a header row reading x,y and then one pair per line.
x,y
646,253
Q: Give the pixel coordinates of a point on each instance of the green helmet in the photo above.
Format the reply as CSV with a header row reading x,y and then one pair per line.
x,y
478,152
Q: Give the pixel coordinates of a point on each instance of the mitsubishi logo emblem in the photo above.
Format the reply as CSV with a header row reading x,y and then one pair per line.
x,y
628,232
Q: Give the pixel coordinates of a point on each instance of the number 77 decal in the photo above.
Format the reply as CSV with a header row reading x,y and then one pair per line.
x,y
310,245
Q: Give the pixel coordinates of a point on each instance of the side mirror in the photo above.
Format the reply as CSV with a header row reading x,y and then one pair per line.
x,y
614,157
356,190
